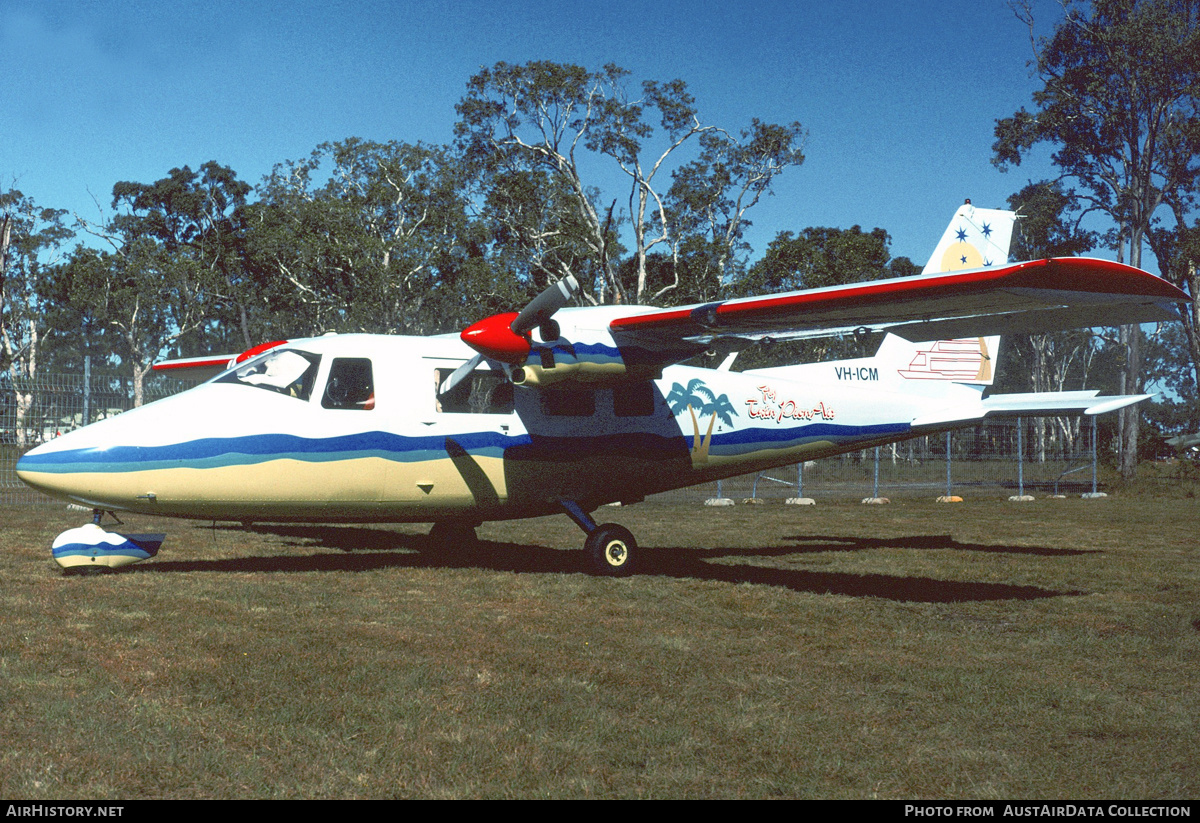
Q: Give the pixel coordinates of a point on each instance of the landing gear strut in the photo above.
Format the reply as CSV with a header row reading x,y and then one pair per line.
x,y
611,548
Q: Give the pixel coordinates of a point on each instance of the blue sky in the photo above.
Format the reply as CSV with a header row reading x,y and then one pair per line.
x,y
899,98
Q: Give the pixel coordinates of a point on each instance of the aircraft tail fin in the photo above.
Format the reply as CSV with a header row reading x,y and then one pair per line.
x,y
898,365
965,360
975,239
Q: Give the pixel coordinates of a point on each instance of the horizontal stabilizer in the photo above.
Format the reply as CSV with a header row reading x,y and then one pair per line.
x,y
1031,404
1184,441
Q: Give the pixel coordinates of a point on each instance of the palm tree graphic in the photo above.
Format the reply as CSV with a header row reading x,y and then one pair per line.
x,y
695,396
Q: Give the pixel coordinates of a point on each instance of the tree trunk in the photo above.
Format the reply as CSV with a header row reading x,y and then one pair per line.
x,y
1131,340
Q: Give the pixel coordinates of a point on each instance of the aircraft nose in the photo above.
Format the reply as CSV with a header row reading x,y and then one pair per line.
x,y
69,465
48,468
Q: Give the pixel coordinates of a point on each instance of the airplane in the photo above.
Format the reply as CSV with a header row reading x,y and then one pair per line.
x,y
560,409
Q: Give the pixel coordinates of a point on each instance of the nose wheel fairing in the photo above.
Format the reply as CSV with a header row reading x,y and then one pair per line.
x,y
92,547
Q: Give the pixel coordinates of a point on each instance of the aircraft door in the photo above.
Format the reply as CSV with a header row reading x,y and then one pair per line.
x,y
455,463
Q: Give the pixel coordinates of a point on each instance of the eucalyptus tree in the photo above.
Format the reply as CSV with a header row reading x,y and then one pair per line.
x,y
534,234
145,297
817,257
557,119
710,197
30,237
1118,103
1048,226
1177,249
169,277
198,217
366,236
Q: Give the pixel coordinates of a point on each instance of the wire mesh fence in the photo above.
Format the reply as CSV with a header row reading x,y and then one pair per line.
x,y
36,410
1035,456
1040,455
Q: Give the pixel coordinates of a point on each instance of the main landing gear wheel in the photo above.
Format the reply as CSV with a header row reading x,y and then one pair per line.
x,y
612,549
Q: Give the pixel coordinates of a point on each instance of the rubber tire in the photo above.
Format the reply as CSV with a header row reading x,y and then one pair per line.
x,y
612,550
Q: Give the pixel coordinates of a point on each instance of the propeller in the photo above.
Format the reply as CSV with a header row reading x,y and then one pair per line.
x,y
459,374
542,307
505,337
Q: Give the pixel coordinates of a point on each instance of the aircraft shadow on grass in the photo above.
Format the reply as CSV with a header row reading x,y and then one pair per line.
x,y
368,549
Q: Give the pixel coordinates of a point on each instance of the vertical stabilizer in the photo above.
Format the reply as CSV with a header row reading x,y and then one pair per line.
x,y
965,360
975,239
912,368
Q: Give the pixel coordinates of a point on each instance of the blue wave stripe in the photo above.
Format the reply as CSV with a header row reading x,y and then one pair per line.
x,y
86,550
743,441
596,350
249,450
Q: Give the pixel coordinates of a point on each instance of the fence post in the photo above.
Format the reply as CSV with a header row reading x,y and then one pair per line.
x,y
1020,460
1094,454
948,491
87,390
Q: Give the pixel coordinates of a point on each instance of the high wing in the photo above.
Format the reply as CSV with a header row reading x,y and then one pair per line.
x,y
203,368
615,344
1031,297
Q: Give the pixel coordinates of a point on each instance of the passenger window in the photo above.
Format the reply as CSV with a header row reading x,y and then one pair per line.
x,y
482,392
633,400
350,385
566,403
286,371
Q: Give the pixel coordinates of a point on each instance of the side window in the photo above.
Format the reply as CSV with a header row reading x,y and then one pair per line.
x,y
482,392
633,400
350,385
564,403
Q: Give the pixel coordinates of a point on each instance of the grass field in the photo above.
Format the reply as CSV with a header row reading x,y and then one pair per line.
x,y
983,650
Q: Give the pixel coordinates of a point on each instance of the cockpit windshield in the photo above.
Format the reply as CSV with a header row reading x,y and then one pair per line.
x,y
286,371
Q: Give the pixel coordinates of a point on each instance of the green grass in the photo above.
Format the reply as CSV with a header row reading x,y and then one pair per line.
x,y
981,650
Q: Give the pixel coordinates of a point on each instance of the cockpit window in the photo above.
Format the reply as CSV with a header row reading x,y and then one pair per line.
x,y
286,371
351,385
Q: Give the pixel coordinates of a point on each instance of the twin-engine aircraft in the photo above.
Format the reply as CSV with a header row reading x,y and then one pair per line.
x,y
558,409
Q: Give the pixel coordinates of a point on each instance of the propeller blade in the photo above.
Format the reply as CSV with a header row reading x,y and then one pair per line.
x,y
539,310
459,374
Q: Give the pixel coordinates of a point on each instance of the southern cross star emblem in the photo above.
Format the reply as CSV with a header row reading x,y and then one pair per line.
x,y
962,235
